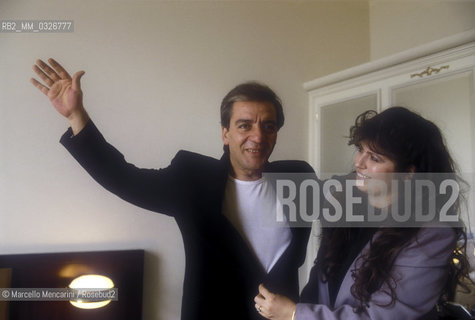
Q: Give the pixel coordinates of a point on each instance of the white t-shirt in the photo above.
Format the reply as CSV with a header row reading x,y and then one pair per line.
x,y
251,206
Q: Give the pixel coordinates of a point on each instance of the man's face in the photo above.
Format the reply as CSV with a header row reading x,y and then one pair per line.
x,y
251,137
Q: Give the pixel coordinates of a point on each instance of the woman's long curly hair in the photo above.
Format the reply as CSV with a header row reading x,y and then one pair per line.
x,y
413,144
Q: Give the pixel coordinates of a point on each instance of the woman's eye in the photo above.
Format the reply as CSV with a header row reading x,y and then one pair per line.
x,y
375,159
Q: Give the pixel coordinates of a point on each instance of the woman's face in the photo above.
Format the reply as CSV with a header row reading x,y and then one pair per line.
x,y
374,171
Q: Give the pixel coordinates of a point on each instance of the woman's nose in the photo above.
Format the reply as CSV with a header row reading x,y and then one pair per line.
x,y
360,160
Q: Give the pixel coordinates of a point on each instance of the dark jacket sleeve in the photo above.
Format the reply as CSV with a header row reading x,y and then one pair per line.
x,y
157,190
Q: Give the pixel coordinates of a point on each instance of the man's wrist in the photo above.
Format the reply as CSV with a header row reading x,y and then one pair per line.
x,y
78,120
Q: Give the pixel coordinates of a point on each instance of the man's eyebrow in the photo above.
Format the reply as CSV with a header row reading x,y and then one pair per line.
x,y
242,120
251,121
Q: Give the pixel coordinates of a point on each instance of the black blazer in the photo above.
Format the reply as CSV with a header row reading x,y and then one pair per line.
x,y
222,274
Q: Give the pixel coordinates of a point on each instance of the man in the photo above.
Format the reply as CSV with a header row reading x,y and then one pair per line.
x,y
217,204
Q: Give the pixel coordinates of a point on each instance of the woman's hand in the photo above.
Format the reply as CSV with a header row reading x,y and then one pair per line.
x,y
274,306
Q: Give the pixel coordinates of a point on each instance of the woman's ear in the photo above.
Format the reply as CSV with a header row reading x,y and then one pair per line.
x,y
410,172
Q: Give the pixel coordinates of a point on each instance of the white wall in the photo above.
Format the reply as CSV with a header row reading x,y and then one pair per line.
x,y
398,25
155,75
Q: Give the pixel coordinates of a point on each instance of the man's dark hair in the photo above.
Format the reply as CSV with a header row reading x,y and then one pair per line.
x,y
250,91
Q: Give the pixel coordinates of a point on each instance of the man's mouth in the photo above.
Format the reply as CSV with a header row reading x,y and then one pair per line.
x,y
254,151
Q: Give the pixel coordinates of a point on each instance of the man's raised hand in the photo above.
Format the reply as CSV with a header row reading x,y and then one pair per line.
x,y
63,91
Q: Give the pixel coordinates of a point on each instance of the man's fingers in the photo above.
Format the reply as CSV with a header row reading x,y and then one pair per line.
x,y
77,80
59,69
41,87
46,69
43,75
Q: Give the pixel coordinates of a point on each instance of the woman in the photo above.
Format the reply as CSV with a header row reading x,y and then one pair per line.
x,y
386,272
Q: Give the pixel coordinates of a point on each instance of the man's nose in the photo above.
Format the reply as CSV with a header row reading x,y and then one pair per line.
x,y
257,134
